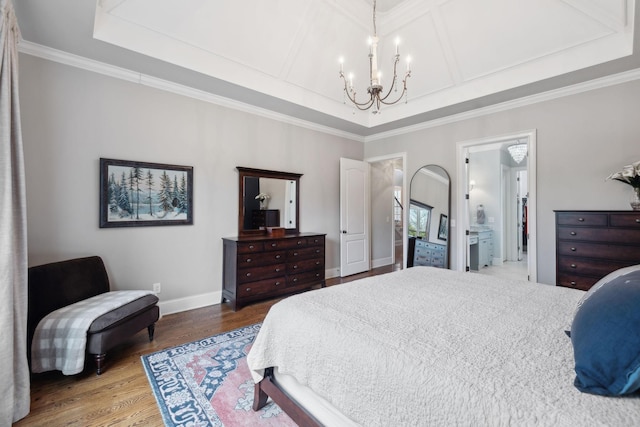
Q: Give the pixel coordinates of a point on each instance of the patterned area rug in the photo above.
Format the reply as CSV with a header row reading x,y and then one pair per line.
x,y
207,383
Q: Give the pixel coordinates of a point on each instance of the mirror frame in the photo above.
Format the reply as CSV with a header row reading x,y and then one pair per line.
x,y
448,263
262,173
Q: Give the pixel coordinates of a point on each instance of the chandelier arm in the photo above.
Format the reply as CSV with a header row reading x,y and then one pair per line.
x,y
394,79
404,90
361,105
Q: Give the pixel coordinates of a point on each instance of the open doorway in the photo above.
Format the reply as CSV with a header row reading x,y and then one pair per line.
x,y
496,206
388,197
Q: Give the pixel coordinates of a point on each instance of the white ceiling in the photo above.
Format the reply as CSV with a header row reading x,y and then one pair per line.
x,y
283,54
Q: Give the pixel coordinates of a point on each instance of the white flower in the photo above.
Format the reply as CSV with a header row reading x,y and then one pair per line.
x,y
629,174
262,197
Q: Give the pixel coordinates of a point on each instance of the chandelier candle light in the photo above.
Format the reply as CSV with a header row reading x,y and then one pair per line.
x,y
375,90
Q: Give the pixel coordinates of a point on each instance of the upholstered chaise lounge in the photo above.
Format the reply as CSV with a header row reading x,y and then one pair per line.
x,y
60,284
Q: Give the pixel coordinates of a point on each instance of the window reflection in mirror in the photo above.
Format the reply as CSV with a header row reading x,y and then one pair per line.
x,y
419,219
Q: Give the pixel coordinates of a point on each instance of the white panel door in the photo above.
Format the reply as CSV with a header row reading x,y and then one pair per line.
x,y
354,217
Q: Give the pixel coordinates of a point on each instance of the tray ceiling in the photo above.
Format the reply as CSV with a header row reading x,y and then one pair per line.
x,y
283,54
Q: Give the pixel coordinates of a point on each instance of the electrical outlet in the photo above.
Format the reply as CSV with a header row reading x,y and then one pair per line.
x,y
156,288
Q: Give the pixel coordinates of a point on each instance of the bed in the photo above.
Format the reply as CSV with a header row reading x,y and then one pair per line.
x,y
428,346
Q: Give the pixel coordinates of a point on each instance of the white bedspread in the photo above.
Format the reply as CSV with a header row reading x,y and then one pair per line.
x,y
433,347
60,338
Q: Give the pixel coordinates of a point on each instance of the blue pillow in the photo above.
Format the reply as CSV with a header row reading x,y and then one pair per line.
x,y
605,334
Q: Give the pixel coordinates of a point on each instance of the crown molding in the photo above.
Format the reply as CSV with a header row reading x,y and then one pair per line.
x,y
599,83
87,64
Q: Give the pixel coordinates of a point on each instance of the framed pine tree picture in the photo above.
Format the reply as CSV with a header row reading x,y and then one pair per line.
x,y
136,194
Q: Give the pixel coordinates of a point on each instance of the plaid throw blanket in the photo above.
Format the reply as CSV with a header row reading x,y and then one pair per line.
x,y
60,338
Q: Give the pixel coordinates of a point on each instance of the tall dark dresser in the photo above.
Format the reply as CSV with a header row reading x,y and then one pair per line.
x,y
591,244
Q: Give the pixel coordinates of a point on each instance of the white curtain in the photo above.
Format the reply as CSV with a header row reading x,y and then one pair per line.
x,y
14,369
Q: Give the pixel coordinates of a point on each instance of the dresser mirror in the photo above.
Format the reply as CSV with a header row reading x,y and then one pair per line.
x,y
428,221
267,199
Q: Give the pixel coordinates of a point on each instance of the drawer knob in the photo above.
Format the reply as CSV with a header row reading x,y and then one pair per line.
x,y
248,289
295,254
273,245
638,220
573,249
317,262
581,219
573,266
573,233
277,270
295,279
299,242
248,259
277,283
251,246
295,267
278,256
248,274
573,283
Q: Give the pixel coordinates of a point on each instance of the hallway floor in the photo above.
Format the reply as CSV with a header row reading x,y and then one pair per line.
x,y
515,270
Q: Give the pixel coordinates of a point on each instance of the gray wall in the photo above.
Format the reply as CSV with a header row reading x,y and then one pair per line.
x,y
581,139
72,117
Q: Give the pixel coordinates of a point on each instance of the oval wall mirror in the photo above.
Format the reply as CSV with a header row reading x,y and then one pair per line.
x,y
428,221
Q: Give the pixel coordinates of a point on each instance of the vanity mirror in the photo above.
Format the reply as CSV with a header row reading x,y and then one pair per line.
x,y
429,206
267,199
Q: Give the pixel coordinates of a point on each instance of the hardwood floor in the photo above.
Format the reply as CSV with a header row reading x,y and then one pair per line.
x,y
121,396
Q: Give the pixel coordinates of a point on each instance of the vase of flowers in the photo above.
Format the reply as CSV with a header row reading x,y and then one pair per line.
x,y
264,200
630,175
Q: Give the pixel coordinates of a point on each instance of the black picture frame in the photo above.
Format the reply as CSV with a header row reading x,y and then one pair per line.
x,y
443,227
138,194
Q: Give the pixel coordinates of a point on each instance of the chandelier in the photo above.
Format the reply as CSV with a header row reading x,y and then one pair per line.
x,y
518,151
377,96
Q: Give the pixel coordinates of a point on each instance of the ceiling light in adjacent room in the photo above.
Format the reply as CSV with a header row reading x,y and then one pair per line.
x,y
518,152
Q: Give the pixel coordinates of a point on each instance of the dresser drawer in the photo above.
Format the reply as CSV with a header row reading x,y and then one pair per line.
x,y
578,282
599,250
580,218
627,220
250,247
588,267
298,279
264,258
304,253
257,273
614,235
262,287
315,241
305,265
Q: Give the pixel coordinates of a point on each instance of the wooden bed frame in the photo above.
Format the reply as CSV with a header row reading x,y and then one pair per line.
x,y
269,387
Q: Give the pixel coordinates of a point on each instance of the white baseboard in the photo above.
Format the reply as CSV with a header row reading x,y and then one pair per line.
x,y
189,303
332,272
210,298
381,262
497,261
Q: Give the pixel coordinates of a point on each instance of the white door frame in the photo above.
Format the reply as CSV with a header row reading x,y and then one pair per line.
x,y
462,205
405,201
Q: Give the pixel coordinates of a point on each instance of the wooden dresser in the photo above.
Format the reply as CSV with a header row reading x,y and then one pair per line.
x,y
263,267
591,244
